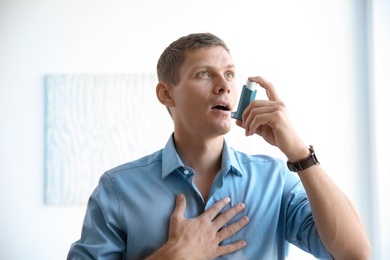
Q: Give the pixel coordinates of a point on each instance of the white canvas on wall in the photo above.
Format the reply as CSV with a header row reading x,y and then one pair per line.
x,y
94,122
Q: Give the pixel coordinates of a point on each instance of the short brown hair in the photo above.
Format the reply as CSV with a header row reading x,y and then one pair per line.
x,y
174,55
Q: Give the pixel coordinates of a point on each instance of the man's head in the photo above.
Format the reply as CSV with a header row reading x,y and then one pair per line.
x,y
197,84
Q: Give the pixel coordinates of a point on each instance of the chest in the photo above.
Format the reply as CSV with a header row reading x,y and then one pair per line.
x,y
147,209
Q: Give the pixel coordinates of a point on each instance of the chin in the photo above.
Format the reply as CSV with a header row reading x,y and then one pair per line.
x,y
221,126
225,129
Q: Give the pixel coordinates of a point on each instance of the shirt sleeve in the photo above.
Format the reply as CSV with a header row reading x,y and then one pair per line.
x,y
300,227
101,237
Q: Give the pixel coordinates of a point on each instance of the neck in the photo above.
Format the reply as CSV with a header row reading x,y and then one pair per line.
x,y
203,155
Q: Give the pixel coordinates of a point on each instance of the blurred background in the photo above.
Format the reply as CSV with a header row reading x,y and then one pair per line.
x,y
329,61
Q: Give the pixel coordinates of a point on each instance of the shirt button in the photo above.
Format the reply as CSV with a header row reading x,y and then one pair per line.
x,y
186,172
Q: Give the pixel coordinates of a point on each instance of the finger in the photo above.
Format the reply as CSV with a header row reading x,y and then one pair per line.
x,y
233,228
268,86
227,249
226,216
180,207
240,123
215,209
258,116
260,106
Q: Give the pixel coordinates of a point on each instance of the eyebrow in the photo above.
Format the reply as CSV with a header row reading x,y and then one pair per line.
x,y
230,66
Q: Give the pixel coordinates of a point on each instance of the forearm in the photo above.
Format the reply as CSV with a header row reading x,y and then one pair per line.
x,y
336,219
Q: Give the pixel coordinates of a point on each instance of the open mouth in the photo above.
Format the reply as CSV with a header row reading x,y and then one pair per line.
x,y
221,107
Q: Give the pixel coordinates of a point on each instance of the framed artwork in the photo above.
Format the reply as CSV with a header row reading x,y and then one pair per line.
x,y
94,122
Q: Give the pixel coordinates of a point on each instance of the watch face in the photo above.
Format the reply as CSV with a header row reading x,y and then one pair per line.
x,y
292,167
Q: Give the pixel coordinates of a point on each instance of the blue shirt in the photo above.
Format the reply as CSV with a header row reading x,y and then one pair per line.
x,y
128,213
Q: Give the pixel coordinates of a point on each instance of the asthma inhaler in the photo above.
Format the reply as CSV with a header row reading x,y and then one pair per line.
x,y
248,94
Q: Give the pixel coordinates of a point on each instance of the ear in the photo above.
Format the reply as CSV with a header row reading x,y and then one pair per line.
x,y
164,94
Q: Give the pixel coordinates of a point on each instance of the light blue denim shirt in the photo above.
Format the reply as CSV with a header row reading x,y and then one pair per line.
x,y
129,211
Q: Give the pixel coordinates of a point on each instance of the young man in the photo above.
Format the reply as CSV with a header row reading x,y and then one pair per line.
x,y
198,198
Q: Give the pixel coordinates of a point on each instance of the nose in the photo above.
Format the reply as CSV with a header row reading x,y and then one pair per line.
x,y
222,85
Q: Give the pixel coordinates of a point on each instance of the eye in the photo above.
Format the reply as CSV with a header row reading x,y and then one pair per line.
x,y
229,75
203,74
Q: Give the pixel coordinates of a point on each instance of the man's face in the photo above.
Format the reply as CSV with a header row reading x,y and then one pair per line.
x,y
206,94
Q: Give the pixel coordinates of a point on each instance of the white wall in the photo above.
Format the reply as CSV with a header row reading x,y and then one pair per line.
x,y
308,49
380,53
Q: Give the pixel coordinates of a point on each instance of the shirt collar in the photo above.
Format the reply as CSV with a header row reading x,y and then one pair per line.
x,y
229,160
171,160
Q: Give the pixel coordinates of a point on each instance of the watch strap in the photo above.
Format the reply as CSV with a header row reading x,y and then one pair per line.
x,y
305,163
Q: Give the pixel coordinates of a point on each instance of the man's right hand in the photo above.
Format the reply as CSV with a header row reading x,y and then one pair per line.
x,y
200,237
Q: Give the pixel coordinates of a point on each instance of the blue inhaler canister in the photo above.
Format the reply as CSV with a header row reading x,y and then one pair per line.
x,y
248,94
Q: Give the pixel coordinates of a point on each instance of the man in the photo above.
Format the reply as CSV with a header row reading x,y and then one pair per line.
x,y
228,204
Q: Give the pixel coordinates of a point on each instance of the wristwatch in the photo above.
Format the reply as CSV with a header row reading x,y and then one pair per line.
x,y
305,163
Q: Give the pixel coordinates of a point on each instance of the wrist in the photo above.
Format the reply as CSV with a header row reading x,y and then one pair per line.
x,y
304,163
298,153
